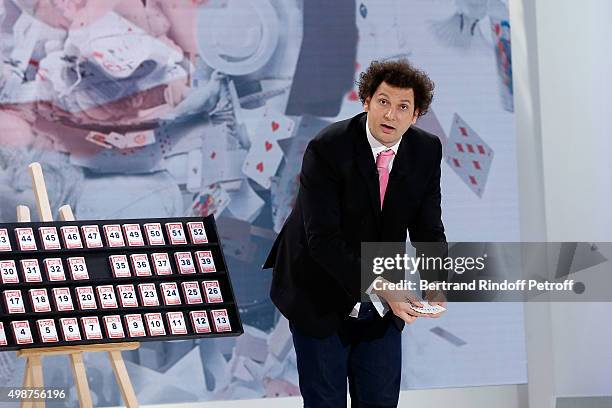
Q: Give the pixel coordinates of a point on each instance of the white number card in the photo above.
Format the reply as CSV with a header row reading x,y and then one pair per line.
x,y
21,331
70,329
176,233
40,300
221,320
161,264
113,326
176,322
71,237
120,266
13,301
140,263
170,293
78,268
63,300
199,322
49,238
191,292
106,296
197,233
47,330
25,239
135,326
85,297
153,232
91,327
54,269
133,234
5,242
148,294
212,291
184,262
127,296
92,236
155,324
114,236
206,263
8,272
31,270
3,341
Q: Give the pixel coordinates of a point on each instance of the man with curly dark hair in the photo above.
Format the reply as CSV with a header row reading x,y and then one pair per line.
x,y
370,178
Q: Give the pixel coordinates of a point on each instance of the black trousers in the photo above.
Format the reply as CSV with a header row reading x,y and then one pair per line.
x,y
366,352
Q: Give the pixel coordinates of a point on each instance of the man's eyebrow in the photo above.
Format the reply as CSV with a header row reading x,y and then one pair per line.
x,y
386,96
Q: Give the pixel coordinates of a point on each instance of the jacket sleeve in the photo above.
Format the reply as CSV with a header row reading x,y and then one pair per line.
x,y
319,200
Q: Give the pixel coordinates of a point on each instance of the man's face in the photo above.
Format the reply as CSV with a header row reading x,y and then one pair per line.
x,y
390,113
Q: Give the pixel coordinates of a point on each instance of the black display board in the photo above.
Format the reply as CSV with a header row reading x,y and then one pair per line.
x,y
107,282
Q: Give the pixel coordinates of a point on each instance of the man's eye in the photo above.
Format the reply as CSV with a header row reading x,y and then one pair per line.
x,y
383,101
404,107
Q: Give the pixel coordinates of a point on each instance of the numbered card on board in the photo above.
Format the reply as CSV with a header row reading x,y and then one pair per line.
x,y
197,233
13,301
86,298
176,233
148,294
120,266
47,330
92,236
114,236
31,270
155,324
205,260
133,234
154,234
140,264
135,325
176,322
78,268
40,300
199,322
221,320
106,296
170,293
127,296
184,261
3,340
113,326
63,299
8,272
49,238
5,242
21,332
71,237
161,264
25,239
212,291
54,269
70,329
191,292
91,327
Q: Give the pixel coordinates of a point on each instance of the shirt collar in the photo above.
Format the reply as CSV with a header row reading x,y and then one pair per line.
x,y
376,146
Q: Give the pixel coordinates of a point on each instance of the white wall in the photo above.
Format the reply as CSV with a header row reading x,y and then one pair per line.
x,y
562,59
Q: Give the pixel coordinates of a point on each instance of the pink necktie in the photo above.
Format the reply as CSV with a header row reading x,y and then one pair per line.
x,y
382,164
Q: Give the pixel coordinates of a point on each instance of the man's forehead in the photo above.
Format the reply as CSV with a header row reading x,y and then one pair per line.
x,y
402,94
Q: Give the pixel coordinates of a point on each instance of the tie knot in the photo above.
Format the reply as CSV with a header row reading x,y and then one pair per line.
x,y
384,158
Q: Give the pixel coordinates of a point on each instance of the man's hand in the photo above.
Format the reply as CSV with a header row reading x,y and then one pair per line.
x,y
436,298
399,301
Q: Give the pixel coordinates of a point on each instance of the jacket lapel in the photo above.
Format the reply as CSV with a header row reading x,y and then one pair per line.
x,y
367,166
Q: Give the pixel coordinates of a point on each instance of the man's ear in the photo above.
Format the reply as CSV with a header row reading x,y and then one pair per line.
x,y
416,116
366,104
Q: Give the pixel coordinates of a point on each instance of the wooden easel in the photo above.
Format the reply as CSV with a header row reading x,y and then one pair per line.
x,y
33,372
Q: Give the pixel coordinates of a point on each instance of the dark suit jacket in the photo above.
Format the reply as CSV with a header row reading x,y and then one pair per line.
x,y
316,256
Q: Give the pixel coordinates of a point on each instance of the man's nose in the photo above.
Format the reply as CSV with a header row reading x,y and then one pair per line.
x,y
390,114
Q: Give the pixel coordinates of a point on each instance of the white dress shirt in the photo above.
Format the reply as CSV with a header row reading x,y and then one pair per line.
x,y
377,148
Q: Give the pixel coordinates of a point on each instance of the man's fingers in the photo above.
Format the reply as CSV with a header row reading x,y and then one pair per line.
x,y
406,317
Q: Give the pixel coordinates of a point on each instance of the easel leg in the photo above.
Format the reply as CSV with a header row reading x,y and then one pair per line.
x,y
80,379
27,382
37,379
123,380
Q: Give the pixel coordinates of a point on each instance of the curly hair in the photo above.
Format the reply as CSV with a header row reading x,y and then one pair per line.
x,y
400,74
